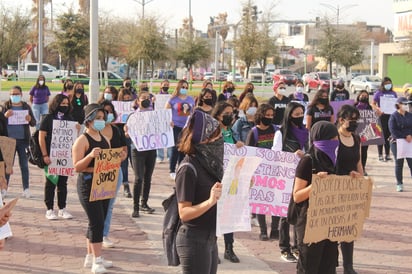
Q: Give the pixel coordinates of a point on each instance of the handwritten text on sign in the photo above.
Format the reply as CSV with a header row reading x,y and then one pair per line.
x,y
272,180
338,206
18,117
63,136
123,110
151,129
105,174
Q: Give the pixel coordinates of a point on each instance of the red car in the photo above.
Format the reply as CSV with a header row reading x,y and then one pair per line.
x,y
284,75
317,80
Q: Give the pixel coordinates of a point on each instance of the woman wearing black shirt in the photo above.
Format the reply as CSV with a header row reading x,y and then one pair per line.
x,y
319,109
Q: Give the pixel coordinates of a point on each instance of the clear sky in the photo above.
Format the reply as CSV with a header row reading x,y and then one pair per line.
x,y
374,12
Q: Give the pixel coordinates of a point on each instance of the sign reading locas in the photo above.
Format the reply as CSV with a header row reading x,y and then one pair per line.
x,y
338,206
105,174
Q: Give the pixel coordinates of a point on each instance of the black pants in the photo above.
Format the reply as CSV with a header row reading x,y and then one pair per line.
x,y
176,156
364,156
384,118
284,237
49,190
143,166
96,211
262,223
318,258
197,250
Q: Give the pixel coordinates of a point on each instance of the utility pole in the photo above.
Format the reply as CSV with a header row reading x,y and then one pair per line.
x,y
94,51
40,43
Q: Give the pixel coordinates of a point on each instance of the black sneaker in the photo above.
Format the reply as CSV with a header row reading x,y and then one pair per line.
x,y
274,235
388,158
263,237
147,209
295,254
288,257
135,214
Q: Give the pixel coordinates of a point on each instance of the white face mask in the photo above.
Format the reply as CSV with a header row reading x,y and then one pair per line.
x,y
251,111
405,107
41,82
299,89
282,91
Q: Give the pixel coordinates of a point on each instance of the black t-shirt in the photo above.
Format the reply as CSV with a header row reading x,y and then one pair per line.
x,y
339,95
196,189
279,106
348,157
264,137
320,114
118,138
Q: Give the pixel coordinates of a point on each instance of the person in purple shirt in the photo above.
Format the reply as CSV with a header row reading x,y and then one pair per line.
x,y
182,106
386,90
39,99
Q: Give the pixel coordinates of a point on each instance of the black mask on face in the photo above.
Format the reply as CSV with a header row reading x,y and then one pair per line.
x,y
250,89
165,89
266,121
353,125
297,121
145,103
323,101
145,89
230,90
63,109
69,86
128,85
364,99
340,86
80,90
208,101
227,120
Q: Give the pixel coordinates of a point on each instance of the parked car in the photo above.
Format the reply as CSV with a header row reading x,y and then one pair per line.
x,y
367,82
222,75
109,78
209,76
317,80
170,74
31,71
284,75
237,78
75,77
255,74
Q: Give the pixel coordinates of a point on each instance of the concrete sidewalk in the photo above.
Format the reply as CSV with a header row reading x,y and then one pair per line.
x,y
43,246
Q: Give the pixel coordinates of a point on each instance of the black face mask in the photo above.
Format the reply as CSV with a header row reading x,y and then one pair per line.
x,y
353,125
323,101
266,121
297,121
340,86
364,99
145,89
250,89
230,90
63,109
127,85
69,86
145,103
227,120
208,101
165,89
80,90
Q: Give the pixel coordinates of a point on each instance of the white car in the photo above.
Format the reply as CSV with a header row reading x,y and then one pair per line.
x,y
369,83
209,76
237,78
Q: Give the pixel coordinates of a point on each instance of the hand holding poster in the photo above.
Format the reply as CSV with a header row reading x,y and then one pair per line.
x,y
8,149
63,136
403,149
338,206
151,129
123,110
369,128
105,174
387,104
18,117
233,211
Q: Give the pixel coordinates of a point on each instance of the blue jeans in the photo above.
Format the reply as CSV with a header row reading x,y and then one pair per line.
x,y
161,153
21,146
399,165
38,111
197,250
108,219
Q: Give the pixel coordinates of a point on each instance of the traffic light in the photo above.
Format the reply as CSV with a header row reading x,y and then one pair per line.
x,y
254,13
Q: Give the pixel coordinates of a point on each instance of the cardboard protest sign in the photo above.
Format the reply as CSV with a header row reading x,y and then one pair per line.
x,y
63,136
336,105
387,104
233,211
151,129
369,128
338,206
105,174
403,149
272,180
161,100
18,117
8,149
123,110
5,230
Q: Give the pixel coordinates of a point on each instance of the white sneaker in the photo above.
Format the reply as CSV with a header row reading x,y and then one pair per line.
x,y
254,222
3,193
51,215
173,176
63,213
26,193
98,266
88,261
107,243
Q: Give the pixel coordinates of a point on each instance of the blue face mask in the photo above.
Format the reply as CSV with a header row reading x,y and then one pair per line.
x,y
110,118
99,124
183,91
108,96
15,99
388,86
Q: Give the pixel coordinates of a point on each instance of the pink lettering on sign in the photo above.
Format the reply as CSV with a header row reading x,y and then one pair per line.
x,y
270,182
266,209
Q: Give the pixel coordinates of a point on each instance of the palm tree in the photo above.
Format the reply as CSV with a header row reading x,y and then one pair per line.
x,y
35,22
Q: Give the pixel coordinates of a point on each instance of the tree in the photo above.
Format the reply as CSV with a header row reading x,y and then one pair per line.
x,y
328,46
192,50
109,38
35,22
72,38
13,35
349,51
267,46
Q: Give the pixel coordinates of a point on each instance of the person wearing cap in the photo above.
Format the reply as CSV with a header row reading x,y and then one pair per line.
x,y
279,102
400,127
86,149
340,93
198,188
320,257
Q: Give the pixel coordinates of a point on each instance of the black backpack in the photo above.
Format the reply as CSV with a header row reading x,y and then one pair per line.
x,y
33,151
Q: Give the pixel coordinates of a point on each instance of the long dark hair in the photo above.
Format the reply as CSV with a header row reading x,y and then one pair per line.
x,y
347,112
261,112
219,108
286,118
315,100
203,93
386,79
55,103
109,103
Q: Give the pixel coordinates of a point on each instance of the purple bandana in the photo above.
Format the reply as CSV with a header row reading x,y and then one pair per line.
x,y
329,147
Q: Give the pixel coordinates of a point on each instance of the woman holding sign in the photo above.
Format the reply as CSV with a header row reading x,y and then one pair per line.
x,y
348,163
85,150
59,109
320,257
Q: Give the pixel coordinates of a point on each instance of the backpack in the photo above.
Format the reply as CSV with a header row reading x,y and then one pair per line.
x,y
33,151
172,223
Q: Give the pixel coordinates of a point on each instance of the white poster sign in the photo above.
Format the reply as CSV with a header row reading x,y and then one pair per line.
x,y
403,149
387,104
18,117
123,110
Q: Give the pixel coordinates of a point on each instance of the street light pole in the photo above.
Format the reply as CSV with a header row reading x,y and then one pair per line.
x,y
40,44
94,51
